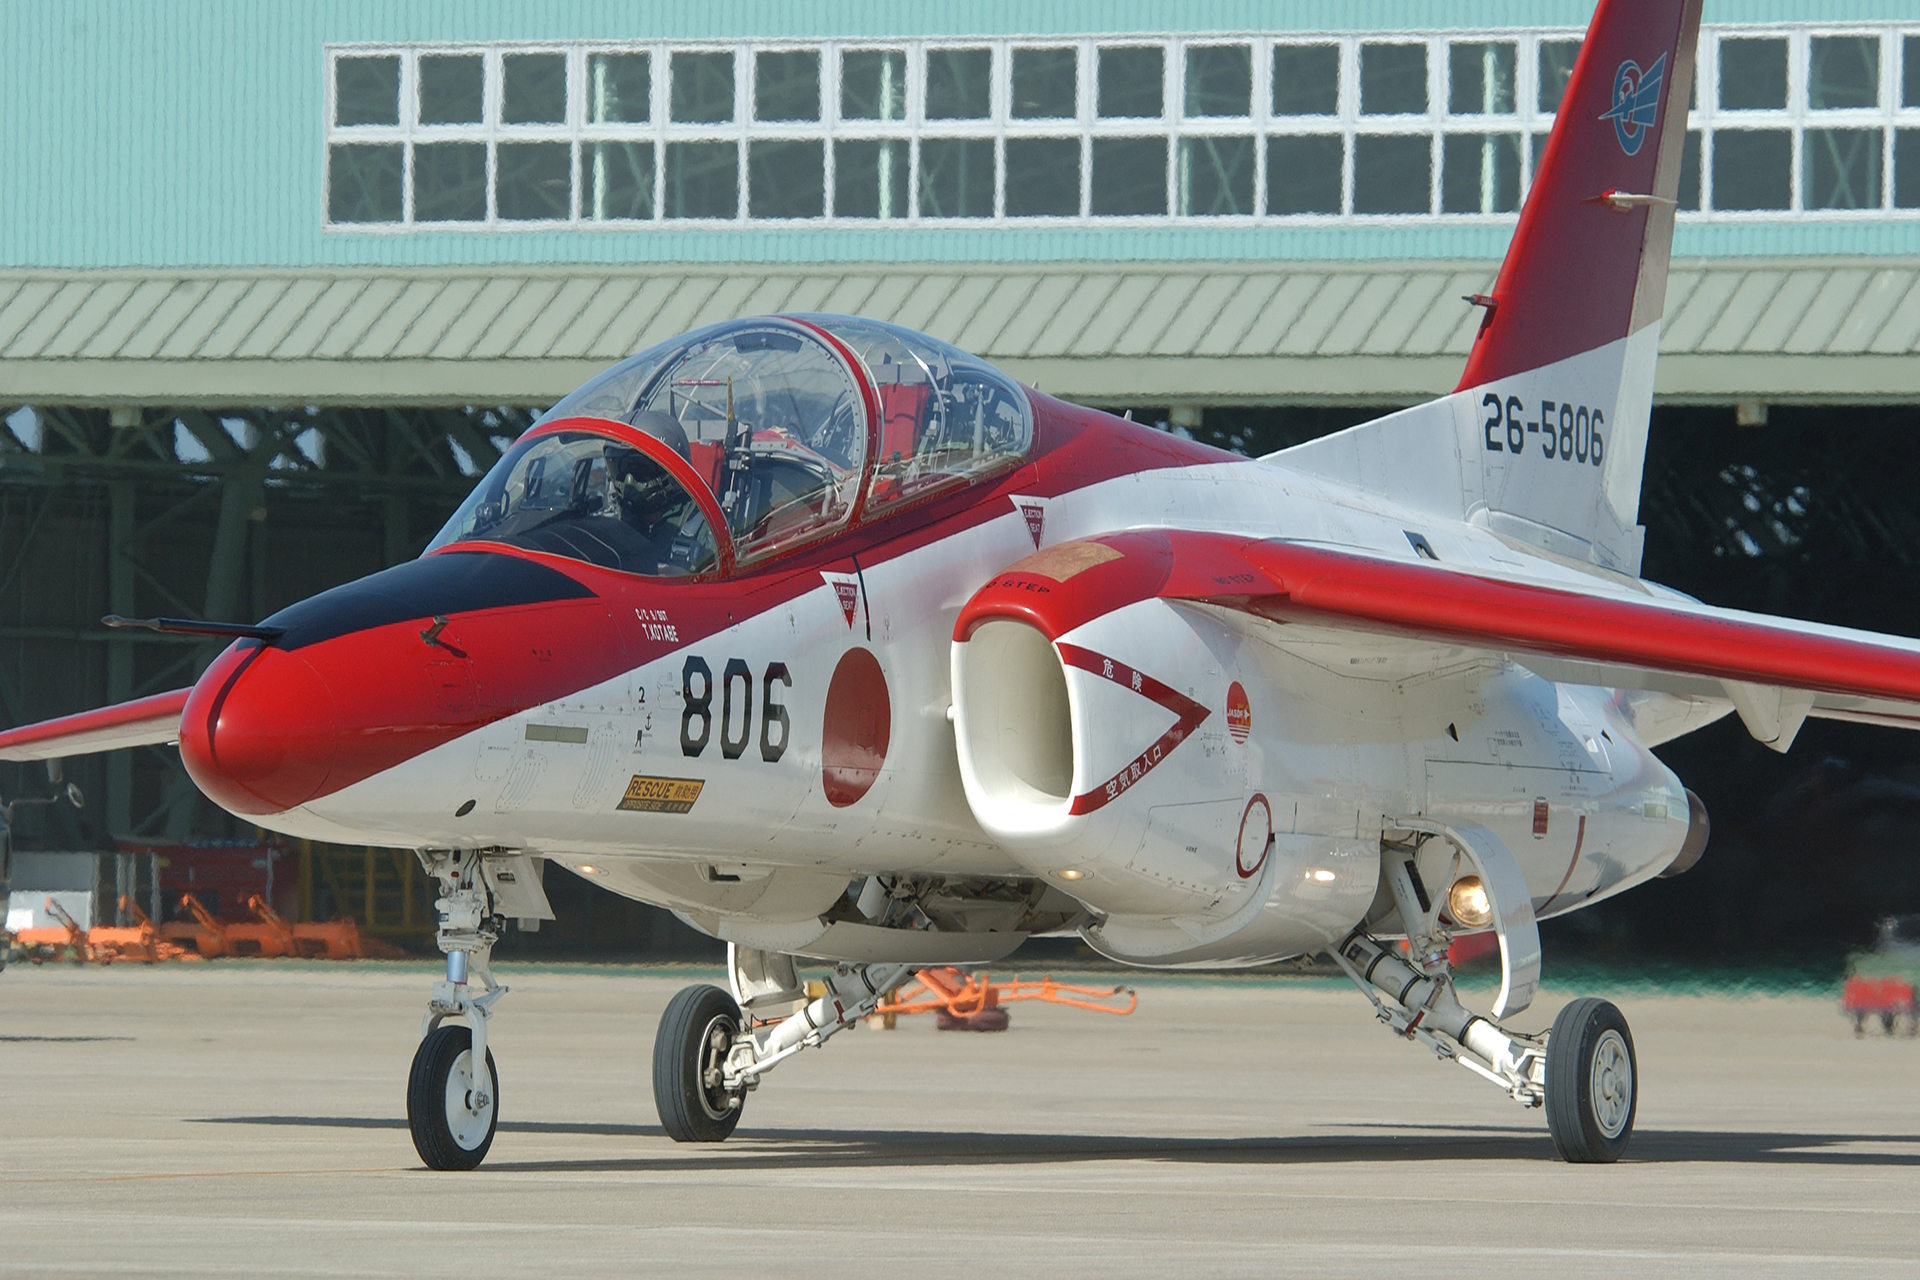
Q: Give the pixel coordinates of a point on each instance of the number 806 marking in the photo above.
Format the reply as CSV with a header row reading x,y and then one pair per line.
x,y
1568,432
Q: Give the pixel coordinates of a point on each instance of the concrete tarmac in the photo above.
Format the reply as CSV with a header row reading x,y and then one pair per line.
x,y
249,1118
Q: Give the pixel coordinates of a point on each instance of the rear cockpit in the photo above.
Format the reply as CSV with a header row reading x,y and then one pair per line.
x,y
742,440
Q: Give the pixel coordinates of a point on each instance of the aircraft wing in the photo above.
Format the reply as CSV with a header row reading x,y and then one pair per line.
x,y
1775,671
143,722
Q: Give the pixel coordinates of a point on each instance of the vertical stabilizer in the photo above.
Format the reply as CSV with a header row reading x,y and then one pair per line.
x,y
1547,430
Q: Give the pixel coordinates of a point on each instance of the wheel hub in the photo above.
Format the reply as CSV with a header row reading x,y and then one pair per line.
x,y
467,1122
714,1045
1610,1084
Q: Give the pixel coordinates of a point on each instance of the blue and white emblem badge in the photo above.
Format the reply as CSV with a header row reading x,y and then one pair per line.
x,y
1636,102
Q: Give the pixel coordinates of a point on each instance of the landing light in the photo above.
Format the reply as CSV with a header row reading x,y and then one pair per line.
x,y
1468,903
1320,875
1072,873
586,870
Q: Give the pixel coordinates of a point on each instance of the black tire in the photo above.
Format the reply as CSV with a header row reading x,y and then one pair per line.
x,y
1592,1083
430,1108
691,1109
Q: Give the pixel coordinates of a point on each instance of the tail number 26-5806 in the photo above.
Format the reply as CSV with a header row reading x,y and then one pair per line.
x,y
1566,432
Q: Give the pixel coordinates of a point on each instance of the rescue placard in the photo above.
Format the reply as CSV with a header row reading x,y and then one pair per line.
x,y
661,795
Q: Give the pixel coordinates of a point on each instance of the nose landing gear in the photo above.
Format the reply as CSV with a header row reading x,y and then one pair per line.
x,y
452,1111
453,1090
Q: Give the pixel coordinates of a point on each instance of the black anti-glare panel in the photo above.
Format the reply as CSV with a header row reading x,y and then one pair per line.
x,y
449,583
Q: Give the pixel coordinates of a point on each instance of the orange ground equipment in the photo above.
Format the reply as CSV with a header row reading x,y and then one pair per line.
x,y
139,941
270,934
102,944
67,940
339,939
205,937
963,1001
1887,999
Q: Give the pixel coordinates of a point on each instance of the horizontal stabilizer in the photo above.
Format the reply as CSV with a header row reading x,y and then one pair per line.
x,y
148,721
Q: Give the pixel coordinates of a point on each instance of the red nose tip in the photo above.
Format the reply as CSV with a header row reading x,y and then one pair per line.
x,y
258,731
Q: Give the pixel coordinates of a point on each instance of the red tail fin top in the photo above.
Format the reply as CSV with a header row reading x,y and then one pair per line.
x,y
1588,261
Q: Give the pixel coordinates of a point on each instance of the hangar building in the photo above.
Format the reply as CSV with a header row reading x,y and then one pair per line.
x,y
277,281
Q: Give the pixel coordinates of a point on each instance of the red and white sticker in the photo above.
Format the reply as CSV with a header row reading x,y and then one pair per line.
x,y
1034,512
1239,713
846,589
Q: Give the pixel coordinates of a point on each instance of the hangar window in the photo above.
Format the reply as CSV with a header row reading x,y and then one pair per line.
x,y
619,88
1306,79
1043,177
452,89
1555,65
367,90
786,85
1132,82
702,90
1393,79
873,84
1046,83
1214,177
1219,80
1789,121
1129,176
365,182
533,88
1480,77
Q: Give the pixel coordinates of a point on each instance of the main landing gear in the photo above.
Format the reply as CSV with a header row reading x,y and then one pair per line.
x,y
1582,1071
711,1051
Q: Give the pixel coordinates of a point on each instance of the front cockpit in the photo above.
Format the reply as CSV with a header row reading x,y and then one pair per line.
x,y
740,441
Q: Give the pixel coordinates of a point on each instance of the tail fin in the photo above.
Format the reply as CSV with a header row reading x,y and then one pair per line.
x,y
1549,423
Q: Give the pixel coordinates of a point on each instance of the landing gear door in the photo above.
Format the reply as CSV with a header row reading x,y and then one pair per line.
x,y
514,881
1513,920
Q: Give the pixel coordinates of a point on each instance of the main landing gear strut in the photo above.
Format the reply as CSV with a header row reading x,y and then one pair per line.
x,y
711,1051
1582,1071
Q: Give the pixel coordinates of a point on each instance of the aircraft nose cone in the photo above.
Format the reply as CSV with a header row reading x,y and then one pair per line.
x,y
258,732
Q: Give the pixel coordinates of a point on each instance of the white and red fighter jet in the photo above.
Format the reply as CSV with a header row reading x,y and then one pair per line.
x,y
841,644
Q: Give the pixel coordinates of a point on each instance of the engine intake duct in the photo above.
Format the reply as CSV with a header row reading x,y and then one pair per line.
x,y
1014,720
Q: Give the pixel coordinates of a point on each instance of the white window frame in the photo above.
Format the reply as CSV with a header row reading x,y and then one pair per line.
x,y
1436,124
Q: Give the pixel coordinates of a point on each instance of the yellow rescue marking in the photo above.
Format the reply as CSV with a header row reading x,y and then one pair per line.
x,y
661,795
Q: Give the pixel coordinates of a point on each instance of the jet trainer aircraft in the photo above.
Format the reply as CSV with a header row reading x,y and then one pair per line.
x,y
841,644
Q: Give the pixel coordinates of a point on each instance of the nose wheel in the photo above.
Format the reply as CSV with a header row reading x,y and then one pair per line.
x,y
452,1109
1592,1087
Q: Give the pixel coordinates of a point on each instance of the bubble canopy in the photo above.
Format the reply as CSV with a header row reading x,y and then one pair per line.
x,y
735,442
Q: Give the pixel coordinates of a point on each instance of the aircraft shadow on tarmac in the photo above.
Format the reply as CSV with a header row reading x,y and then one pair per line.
x,y
838,1148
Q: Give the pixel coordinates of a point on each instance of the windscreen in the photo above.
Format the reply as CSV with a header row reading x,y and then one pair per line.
x,y
589,498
